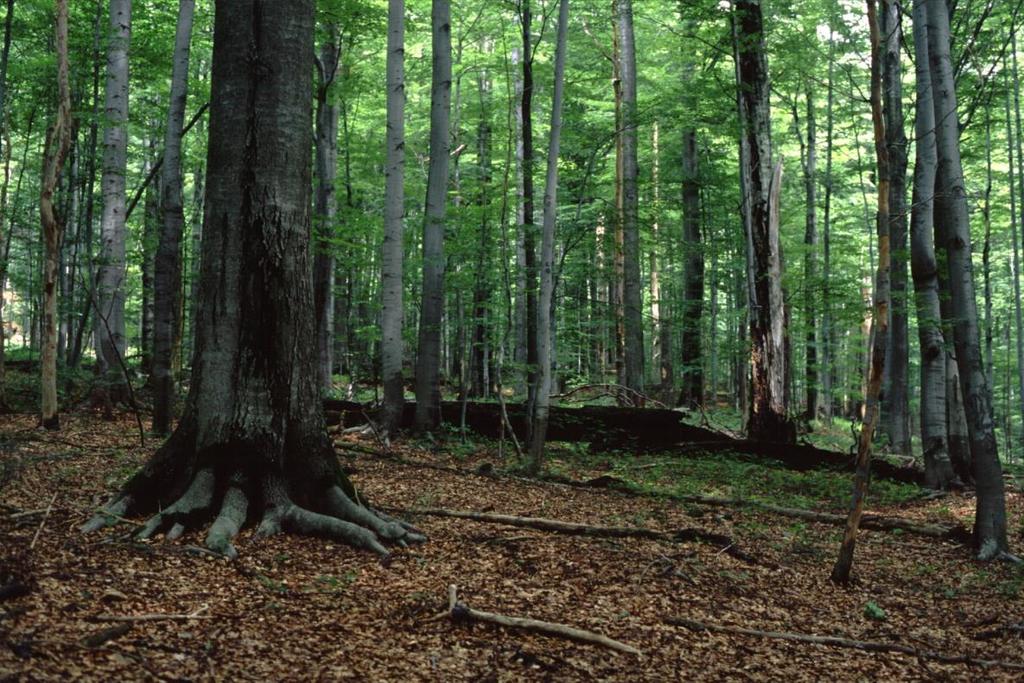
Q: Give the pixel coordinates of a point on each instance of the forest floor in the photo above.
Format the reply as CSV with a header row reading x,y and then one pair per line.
x,y
295,608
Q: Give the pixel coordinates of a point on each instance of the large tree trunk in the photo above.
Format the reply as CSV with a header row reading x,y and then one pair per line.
x,y
251,443
632,287
393,250
951,212
326,133
934,441
109,324
768,419
428,355
538,432
58,142
167,290
896,413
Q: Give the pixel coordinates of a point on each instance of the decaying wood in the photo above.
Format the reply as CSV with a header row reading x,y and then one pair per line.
x,y
606,427
835,641
459,611
100,637
42,522
725,543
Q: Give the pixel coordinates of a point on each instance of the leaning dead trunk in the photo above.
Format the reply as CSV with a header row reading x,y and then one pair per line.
x,y
58,142
951,212
393,250
938,467
109,324
880,322
251,442
167,307
428,354
547,252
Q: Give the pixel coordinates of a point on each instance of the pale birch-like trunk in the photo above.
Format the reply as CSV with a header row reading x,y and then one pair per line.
x,y
393,249
109,323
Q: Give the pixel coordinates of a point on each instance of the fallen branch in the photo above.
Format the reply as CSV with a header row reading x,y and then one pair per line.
x,y
1000,630
99,638
42,522
198,614
724,542
835,641
459,611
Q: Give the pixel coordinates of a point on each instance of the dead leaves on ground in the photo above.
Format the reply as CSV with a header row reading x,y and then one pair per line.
x,y
294,608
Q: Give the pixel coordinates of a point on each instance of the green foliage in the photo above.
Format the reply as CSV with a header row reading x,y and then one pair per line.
x,y
874,612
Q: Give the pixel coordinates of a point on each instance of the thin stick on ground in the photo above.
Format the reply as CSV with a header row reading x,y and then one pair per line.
x,y
198,614
42,522
459,611
725,543
835,641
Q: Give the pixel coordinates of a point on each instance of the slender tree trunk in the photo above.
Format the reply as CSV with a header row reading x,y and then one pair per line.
x,y
6,141
934,440
428,356
895,406
768,419
151,228
986,254
393,250
58,142
544,346
1018,145
529,227
811,262
478,361
659,298
951,212
109,323
167,290
828,355
632,289
843,565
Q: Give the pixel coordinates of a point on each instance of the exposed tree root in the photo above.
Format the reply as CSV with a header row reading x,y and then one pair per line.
x,y
459,611
833,641
227,506
725,543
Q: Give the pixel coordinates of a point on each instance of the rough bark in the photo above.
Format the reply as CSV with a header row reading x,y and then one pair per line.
x,y
938,467
951,212
251,442
767,416
393,249
109,322
880,319
428,355
58,142
538,431
895,406
632,286
167,286
326,205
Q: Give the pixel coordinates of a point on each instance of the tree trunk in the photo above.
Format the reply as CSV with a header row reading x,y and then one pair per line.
x,y
659,299
152,227
827,362
58,142
768,419
896,413
938,467
326,137
478,361
1018,216
811,262
632,288
167,294
251,442
880,321
393,250
951,213
109,324
428,355
4,55
547,252
529,226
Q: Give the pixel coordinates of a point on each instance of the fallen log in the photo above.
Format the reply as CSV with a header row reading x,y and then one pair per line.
x,y
459,611
613,427
835,641
725,543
